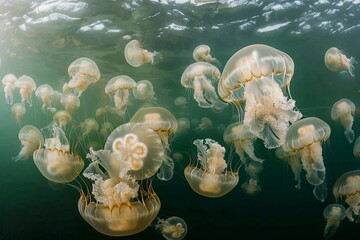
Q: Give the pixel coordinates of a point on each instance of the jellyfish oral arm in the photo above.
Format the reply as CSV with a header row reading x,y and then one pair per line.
x,y
198,85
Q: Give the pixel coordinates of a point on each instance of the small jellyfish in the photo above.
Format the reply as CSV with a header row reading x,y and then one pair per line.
x,y
181,102
356,148
202,54
44,92
173,228
105,129
19,110
251,187
183,125
101,112
334,214
347,187
120,87
203,77
305,136
205,124
83,72
70,102
136,56
177,156
213,178
62,118
144,91
336,61
27,86
9,85
343,111
54,160
88,126
31,139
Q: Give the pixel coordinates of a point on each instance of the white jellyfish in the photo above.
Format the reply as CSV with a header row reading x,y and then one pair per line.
x,y
336,61
202,54
62,118
136,56
70,102
31,139
27,86
334,214
343,111
172,228
144,91
44,92
9,85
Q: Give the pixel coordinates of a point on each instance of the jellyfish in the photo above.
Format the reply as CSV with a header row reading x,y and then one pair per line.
x,y
27,86
88,126
347,187
213,178
101,111
70,102
180,102
183,125
105,129
202,54
19,110
9,85
356,148
177,156
62,118
44,92
120,86
205,124
144,91
258,76
336,61
172,228
83,72
334,214
55,161
31,138
136,56
251,187
165,125
305,137
293,159
203,77
343,111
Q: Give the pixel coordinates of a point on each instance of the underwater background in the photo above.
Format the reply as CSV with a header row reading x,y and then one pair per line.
x,y
41,38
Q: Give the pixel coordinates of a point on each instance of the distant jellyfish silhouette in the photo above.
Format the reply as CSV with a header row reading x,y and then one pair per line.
x,y
144,91
343,111
164,123
258,76
356,148
19,110
334,214
54,160
336,61
83,72
70,102
136,56
105,129
44,92
9,85
27,86
183,125
31,139
62,118
120,87
305,137
180,102
203,77
172,228
100,112
347,187
88,126
202,54
213,178
294,161
204,125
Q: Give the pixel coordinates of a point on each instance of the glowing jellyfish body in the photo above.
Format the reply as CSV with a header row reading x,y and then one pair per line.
x,y
347,187
27,86
343,111
19,110
136,56
165,125
334,214
31,139
336,61
120,87
144,90
83,72
62,118
70,102
257,76
105,129
202,54
305,137
88,126
203,77
213,178
9,85
172,228
183,125
44,92
54,160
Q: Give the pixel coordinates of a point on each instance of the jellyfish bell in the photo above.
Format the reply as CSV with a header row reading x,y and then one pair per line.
x,y
172,228
336,61
44,92
62,118
205,124
136,56
183,125
31,139
202,54
334,214
70,102
202,77
144,90
27,86
88,126
213,178
343,111
9,85
19,110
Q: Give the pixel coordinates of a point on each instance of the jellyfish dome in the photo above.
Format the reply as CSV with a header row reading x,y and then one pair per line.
x,y
144,90
136,151
31,139
203,77
202,54
54,160
259,76
213,178
9,85
136,56
172,228
62,118
44,92
27,86
83,72
88,126
305,137
336,61
334,214
70,102
343,111
347,187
